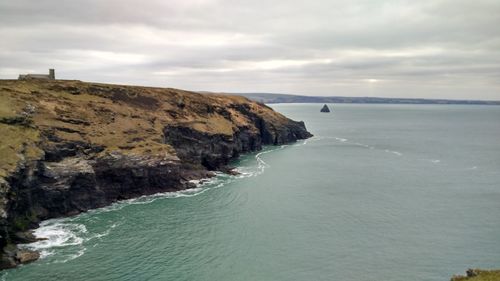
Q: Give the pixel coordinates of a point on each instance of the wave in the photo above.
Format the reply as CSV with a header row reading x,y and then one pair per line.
x,y
202,185
433,161
58,234
364,145
79,253
347,141
67,236
306,141
393,152
250,171
344,140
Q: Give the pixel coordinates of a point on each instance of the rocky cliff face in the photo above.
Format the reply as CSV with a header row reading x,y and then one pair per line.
x,y
69,146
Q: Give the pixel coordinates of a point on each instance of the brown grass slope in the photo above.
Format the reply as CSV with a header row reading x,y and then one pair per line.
x,y
129,119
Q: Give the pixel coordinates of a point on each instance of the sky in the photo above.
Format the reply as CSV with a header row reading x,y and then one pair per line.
x,y
387,48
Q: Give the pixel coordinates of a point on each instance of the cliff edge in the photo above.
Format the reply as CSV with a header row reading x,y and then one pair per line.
x,y
70,146
478,275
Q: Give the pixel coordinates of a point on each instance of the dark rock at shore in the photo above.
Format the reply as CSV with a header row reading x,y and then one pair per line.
x,y
27,256
12,256
111,143
25,237
232,172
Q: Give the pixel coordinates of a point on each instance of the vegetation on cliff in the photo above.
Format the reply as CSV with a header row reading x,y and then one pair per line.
x,y
70,146
478,275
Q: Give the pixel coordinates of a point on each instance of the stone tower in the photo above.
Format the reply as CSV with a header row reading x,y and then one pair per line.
x,y
52,74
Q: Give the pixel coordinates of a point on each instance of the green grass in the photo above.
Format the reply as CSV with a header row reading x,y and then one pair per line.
x,y
479,275
17,142
6,108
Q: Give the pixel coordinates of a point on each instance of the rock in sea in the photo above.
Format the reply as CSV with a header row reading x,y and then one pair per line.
x,y
325,109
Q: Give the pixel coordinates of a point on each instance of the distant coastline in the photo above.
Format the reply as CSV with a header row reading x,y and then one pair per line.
x,y
285,98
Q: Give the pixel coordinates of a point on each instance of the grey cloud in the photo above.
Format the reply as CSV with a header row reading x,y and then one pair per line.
x,y
439,48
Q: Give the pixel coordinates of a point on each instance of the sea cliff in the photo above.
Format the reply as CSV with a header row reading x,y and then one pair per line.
x,y
70,146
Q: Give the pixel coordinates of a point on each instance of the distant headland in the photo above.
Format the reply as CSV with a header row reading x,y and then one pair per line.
x,y
285,98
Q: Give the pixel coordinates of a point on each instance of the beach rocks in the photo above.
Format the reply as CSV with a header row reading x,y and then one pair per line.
x,y
25,237
27,256
12,256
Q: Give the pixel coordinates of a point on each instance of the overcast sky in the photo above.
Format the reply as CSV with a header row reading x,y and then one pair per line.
x,y
392,48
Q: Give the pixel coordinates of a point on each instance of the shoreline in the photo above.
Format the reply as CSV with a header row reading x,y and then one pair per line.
x,y
81,146
202,185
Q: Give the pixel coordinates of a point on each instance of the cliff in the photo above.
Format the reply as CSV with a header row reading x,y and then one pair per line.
x,y
69,146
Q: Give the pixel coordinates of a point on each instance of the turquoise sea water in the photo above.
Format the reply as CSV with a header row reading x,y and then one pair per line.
x,y
382,192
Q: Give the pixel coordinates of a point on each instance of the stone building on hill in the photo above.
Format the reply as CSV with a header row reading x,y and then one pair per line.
x,y
50,76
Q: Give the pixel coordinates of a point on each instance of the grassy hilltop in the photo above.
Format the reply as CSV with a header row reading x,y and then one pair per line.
x,y
125,118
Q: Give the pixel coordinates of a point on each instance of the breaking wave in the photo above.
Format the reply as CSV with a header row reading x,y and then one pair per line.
x,y
393,152
65,237
68,236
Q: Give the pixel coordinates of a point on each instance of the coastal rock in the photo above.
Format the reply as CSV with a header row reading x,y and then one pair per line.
x,y
27,256
12,256
325,109
111,142
25,237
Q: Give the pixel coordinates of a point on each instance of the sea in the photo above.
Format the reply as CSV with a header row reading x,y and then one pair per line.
x,y
381,192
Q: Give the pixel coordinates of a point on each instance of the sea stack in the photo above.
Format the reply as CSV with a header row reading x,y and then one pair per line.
x,y
325,109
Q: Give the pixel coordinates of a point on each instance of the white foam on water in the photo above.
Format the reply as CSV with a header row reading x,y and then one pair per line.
x,y
251,171
344,140
67,232
434,161
79,253
364,145
262,165
58,234
62,234
318,138
147,199
306,141
394,152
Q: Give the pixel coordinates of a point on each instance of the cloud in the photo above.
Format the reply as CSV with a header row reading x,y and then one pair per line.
x,y
438,48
